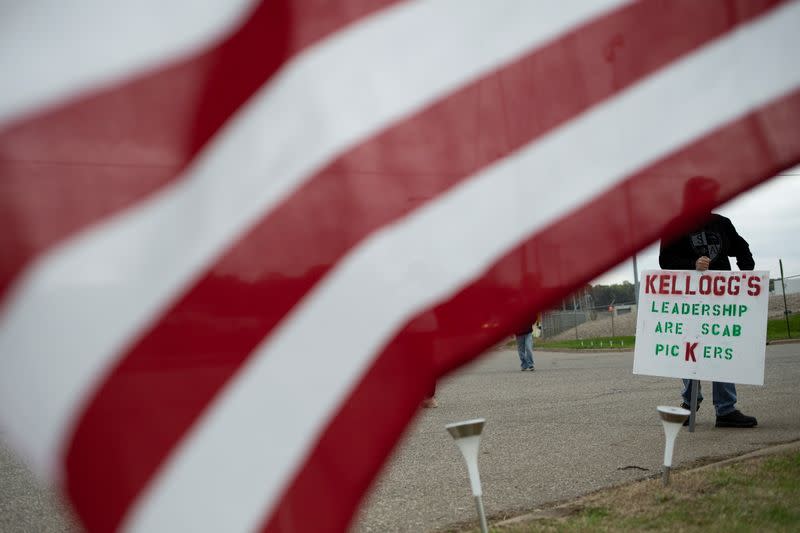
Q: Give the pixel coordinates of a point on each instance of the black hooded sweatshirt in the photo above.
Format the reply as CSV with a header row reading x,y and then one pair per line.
x,y
716,239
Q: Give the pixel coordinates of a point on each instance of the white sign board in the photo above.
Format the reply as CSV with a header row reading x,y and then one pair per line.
x,y
708,325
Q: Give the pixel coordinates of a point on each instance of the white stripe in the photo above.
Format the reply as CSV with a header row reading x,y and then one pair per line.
x,y
98,291
51,50
250,444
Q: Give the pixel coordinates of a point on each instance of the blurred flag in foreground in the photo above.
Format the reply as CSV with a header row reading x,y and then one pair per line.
x,y
241,239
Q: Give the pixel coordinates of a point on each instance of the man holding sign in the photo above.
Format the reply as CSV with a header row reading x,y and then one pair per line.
x,y
708,248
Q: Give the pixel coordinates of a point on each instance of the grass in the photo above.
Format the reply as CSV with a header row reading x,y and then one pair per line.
x,y
589,344
776,328
761,494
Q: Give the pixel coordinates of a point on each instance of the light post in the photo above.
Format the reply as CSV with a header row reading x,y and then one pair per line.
x,y
467,435
672,419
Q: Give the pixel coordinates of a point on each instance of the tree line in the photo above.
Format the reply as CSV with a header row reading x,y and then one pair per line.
x,y
599,296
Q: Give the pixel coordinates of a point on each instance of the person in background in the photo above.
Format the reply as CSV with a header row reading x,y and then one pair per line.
x,y
524,339
708,247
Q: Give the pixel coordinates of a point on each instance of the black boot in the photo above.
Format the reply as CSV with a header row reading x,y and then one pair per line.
x,y
736,419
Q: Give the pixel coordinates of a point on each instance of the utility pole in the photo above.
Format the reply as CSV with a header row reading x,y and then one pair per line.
x,y
575,315
635,281
785,307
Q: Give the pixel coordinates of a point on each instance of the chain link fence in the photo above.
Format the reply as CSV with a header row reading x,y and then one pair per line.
x,y
584,320
556,322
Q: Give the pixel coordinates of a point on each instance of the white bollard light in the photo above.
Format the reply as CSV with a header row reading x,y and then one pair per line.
x,y
467,435
672,419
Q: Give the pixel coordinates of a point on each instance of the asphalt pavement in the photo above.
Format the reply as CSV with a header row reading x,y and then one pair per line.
x,y
580,422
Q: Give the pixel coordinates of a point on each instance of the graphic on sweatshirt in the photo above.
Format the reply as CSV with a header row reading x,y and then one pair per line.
x,y
707,243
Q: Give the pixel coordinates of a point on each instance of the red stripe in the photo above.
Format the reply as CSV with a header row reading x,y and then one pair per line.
x,y
176,369
532,277
67,169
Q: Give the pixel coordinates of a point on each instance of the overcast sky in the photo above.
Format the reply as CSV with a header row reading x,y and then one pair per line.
x,y
768,217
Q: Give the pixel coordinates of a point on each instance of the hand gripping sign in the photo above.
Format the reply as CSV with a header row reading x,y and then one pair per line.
x,y
708,325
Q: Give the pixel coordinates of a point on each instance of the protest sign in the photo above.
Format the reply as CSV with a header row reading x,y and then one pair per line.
x,y
702,325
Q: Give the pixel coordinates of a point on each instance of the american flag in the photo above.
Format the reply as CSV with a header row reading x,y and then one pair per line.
x,y
241,239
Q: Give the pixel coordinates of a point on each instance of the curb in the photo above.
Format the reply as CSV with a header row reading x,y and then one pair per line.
x,y
772,450
784,341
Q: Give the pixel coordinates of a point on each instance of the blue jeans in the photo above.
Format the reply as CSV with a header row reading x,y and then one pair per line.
x,y
722,394
525,350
